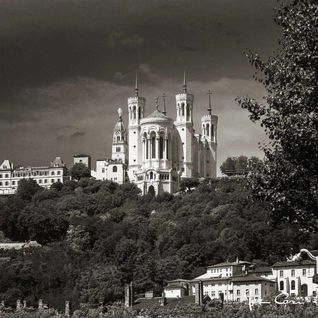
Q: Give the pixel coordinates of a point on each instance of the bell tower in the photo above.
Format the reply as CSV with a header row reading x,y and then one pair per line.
x,y
119,147
184,124
209,137
136,111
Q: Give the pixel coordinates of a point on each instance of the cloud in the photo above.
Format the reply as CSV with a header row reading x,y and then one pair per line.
x,y
77,134
121,39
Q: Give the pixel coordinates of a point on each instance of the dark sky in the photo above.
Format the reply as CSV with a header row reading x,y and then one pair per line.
x,y
67,65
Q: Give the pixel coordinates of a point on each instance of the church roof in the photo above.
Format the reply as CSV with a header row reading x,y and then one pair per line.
x,y
157,114
119,126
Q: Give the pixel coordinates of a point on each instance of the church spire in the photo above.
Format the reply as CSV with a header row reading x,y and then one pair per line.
x,y
164,104
120,114
210,107
184,82
136,85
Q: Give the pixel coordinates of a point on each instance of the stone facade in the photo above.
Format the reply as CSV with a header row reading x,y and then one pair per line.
x,y
44,176
159,150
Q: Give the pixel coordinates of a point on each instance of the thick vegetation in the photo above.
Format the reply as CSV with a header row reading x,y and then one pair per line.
x,y
97,236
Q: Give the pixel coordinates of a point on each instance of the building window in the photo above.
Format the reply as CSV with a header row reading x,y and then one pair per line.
x,y
304,272
115,169
281,273
247,292
0,183
281,285
0,175
256,291
292,273
292,285
52,173
161,147
151,175
52,180
40,181
117,149
103,170
153,147
13,182
238,292
45,180
213,293
59,172
6,175
7,183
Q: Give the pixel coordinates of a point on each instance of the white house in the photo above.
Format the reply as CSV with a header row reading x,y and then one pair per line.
x,y
296,277
44,176
218,279
253,287
177,288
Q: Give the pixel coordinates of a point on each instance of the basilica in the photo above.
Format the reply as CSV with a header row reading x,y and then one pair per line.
x,y
156,151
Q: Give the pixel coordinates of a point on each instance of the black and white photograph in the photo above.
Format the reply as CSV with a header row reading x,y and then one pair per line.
x,y
158,158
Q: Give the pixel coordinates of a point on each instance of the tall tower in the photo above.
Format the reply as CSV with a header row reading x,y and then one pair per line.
x,y
209,137
184,124
119,148
136,111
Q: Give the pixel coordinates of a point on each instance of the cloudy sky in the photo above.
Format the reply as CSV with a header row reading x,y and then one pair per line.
x,y
67,65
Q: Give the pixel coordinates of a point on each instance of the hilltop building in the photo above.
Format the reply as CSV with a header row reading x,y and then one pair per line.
x,y
156,151
44,176
84,159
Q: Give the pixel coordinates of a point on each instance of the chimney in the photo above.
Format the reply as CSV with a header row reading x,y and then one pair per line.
x,y
162,300
40,305
19,307
129,295
199,293
67,309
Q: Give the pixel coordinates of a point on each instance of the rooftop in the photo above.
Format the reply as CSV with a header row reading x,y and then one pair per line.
x,y
249,278
295,263
225,264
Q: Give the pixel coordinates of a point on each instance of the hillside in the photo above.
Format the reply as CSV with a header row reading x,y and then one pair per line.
x,y
97,236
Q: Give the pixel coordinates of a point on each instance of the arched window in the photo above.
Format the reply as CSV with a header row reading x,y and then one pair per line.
x,y
118,138
167,150
134,112
292,285
208,130
203,130
182,109
115,169
161,147
139,112
188,111
212,131
153,147
151,175
281,285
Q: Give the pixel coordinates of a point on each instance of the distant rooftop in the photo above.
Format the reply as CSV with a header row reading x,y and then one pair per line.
x,y
81,155
225,264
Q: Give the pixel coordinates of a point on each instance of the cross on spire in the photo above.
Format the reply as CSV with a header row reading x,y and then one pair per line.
x,y
157,103
136,85
210,107
164,103
184,82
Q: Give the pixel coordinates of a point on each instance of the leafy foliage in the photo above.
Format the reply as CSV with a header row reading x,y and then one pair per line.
x,y
79,170
105,235
239,166
289,177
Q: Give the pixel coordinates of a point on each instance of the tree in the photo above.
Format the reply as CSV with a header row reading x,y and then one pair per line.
x,y
188,183
238,166
27,188
288,178
79,170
